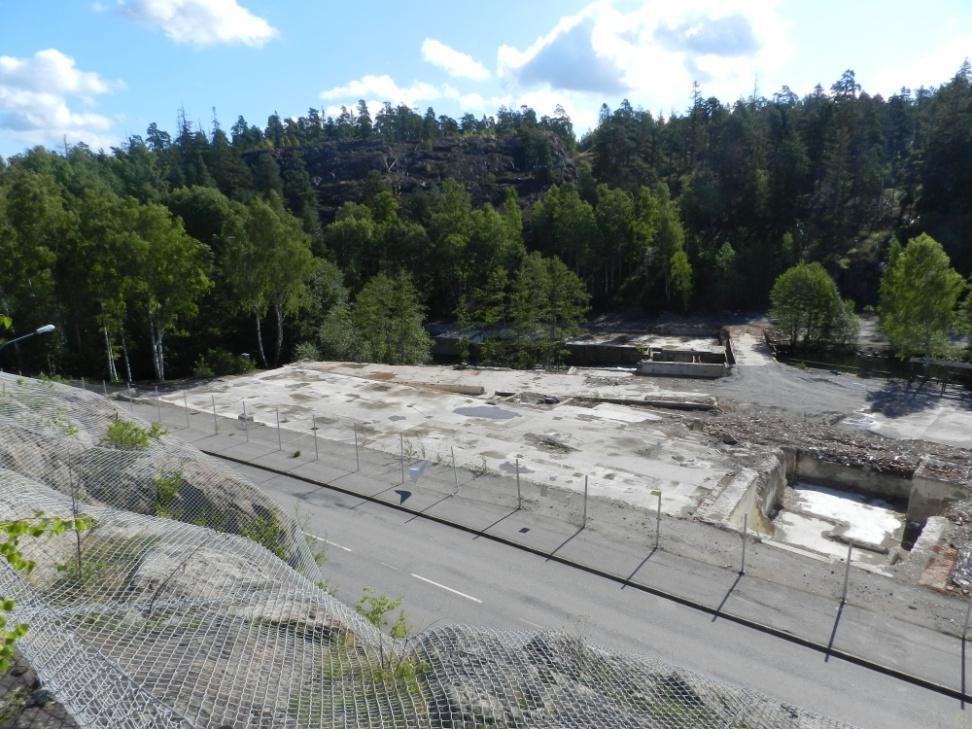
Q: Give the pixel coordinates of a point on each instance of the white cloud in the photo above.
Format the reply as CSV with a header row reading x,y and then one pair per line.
x,y
383,88
201,22
455,63
925,69
651,54
34,94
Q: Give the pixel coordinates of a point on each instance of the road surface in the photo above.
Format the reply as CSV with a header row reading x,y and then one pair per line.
x,y
445,575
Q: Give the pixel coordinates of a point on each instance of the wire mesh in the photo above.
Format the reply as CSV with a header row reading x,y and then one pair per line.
x,y
193,601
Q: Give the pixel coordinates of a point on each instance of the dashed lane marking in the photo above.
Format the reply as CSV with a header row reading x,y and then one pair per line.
x,y
444,587
328,541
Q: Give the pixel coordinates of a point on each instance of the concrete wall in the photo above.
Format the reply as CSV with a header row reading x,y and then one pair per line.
x,y
751,496
924,493
806,467
931,495
682,369
583,354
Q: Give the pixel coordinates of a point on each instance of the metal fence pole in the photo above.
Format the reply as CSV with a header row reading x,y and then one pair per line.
x,y
131,397
185,408
158,404
742,566
104,387
357,459
246,422
519,495
584,520
215,421
455,473
279,441
968,615
658,520
843,596
83,387
317,455
401,443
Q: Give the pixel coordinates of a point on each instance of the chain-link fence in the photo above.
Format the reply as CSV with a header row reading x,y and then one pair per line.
x,y
431,462
173,610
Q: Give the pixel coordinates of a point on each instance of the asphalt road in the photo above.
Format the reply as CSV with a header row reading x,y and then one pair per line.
x,y
444,575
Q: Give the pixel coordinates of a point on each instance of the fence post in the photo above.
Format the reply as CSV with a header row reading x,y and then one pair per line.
x,y
519,496
215,421
83,387
843,596
314,432
658,520
455,473
401,443
357,459
104,387
185,407
246,422
279,441
131,397
968,614
584,520
742,566
158,404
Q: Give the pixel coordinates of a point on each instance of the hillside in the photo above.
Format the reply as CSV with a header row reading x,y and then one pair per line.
x,y
274,232
341,171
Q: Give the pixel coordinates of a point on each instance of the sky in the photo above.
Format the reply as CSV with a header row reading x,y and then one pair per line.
x,y
99,72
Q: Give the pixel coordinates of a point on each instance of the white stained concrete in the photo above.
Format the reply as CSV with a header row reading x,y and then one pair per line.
x,y
693,344
818,512
625,452
943,424
871,521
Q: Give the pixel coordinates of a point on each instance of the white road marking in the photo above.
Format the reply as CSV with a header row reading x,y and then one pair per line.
x,y
389,566
328,541
530,622
437,584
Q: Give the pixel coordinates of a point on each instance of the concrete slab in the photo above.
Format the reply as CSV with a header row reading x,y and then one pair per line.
x,y
625,453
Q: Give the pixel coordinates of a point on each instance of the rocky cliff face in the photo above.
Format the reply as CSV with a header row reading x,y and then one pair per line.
x,y
485,165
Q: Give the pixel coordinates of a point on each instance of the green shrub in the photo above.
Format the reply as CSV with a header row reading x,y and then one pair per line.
x,y
202,369
126,435
307,351
167,486
217,362
267,532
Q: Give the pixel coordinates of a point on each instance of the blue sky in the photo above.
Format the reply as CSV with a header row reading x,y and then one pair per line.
x,y
100,71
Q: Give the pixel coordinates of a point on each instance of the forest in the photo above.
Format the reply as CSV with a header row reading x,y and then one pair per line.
x,y
172,255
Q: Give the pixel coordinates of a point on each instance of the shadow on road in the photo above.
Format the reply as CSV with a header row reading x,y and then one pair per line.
x,y
899,397
718,610
564,543
502,518
833,633
627,580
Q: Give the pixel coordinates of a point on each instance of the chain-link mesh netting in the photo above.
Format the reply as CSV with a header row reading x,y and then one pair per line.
x,y
174,609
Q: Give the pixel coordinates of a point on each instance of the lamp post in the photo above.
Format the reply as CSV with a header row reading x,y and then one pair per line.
x,y
46,329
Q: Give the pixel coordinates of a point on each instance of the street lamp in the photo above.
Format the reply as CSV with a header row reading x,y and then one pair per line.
x,y
46,329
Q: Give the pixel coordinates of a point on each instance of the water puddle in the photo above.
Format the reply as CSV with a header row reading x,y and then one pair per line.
x,y
485,411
